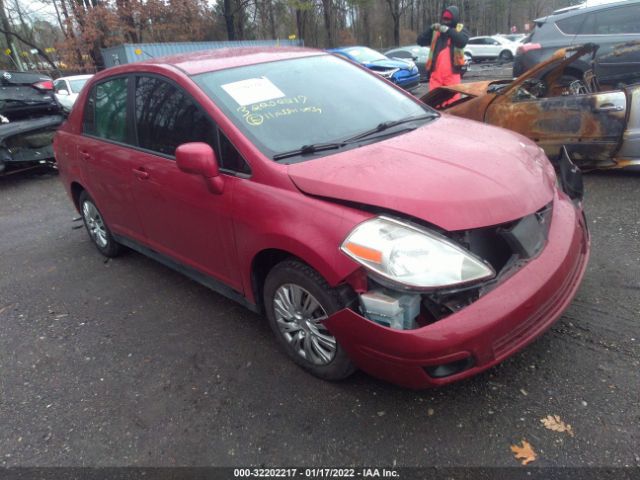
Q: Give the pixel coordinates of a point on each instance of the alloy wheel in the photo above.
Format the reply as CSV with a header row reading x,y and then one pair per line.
x,y
95,224
299,317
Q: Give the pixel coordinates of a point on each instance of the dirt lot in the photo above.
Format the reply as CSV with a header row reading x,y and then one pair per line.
x,y
128,363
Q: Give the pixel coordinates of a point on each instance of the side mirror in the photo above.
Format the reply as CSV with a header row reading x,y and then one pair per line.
x,y
62,92
198,158
414,58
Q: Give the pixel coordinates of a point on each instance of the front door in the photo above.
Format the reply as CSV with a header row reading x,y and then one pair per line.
x,y
181,218
589,125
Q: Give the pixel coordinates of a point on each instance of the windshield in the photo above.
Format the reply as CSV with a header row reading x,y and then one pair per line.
x,y
282,106
76,85
364,55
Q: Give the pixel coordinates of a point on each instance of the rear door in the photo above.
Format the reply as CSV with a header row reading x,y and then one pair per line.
x,y
181,218
590,125
612,29
629,153
477,47
106,156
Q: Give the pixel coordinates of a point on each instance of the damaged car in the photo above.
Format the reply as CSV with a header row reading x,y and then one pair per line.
x,y
366,238
29,117
402,72
598,124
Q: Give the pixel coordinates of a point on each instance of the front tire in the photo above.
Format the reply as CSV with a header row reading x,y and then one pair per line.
x,y
505,56
297,300
96,227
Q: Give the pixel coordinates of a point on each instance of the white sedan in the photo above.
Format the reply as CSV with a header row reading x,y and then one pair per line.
x,y
66,89
491,48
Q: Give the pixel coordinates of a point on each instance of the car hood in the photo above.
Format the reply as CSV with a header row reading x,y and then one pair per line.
x,y
453,173
388,64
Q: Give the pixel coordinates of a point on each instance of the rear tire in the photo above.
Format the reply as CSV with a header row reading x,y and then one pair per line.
x,y
96,227
296,300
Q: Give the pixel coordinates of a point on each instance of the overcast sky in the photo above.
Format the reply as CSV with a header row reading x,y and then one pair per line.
x,y
35,9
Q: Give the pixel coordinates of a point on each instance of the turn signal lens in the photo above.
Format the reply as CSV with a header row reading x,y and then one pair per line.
x,y
364,253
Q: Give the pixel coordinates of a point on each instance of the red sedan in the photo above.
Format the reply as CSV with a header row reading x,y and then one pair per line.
x,y
372,231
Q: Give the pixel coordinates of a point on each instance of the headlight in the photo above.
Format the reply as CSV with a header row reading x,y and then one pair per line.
x,y
388,73
412,256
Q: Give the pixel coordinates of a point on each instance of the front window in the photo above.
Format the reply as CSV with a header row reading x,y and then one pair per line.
x,y
282,106
166,117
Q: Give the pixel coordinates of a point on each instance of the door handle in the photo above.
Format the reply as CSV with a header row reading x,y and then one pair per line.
x,y
141,173
85,155
607,107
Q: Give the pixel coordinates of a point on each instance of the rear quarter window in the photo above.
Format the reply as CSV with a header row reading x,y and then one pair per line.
x,y
571,25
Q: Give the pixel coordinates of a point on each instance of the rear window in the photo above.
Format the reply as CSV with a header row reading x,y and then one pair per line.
x,y
623,20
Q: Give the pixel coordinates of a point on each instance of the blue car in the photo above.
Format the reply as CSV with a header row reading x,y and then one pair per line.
x,y
403,73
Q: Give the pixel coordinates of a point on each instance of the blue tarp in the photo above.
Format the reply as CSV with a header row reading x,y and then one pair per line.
x,y
136,52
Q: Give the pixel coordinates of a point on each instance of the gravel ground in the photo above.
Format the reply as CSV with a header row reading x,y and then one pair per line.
x,y
126,362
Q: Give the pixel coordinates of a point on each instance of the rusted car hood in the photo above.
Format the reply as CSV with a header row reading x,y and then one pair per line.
x,y
481,176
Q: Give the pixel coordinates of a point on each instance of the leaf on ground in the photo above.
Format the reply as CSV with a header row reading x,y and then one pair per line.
x,y
553,422
524,452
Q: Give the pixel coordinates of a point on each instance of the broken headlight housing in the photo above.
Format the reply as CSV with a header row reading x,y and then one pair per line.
x,y
413,257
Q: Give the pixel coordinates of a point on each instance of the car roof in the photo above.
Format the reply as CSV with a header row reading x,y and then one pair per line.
x,y
75,77
406,47
348,48
203,61
588,6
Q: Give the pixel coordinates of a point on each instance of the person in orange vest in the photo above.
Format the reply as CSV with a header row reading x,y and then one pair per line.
x,y
447,40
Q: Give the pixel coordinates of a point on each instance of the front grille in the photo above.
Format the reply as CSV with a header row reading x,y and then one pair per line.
x,y
507,247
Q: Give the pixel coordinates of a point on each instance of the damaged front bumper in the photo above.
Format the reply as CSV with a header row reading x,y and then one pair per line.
x,y
27,143
492,328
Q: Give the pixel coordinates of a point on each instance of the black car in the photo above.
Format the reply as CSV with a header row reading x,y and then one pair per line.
x,y
614,26
29,116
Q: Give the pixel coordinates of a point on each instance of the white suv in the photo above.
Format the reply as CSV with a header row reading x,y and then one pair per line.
x,y
491,48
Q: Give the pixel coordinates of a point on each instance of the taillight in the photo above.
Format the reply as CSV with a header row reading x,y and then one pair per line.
x,y
44,85
524,48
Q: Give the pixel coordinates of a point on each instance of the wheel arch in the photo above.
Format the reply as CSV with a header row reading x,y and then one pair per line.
x,y
261,265
76,189
267,258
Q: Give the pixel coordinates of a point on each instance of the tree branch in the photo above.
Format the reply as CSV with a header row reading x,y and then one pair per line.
x,y
27,42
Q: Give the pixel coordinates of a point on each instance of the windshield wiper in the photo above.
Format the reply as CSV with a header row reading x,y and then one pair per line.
x,y
381,127
307,149
321,147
